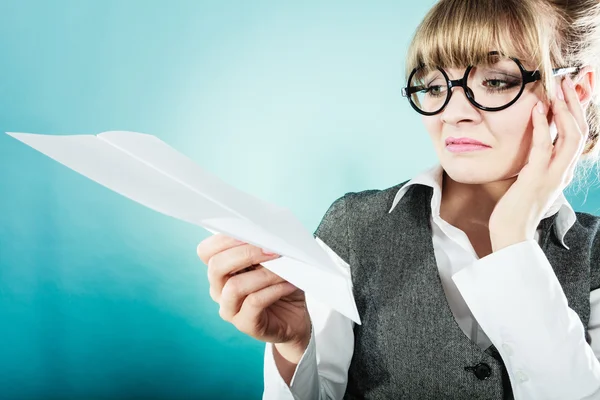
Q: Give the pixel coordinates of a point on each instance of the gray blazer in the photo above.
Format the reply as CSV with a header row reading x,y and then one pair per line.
x,y
409,345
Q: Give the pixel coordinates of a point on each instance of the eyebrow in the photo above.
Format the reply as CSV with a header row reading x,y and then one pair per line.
x,y
507,74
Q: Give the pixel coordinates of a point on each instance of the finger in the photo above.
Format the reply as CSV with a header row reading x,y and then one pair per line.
x,y
559,96
254,305
238,287
247,269
541,143
215,244
574,105
569,144
216,296
222,265
578,113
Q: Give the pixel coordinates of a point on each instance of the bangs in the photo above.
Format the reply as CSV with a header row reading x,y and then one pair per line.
x,y
458,33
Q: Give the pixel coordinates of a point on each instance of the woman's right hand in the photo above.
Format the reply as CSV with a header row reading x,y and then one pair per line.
x,y
252,298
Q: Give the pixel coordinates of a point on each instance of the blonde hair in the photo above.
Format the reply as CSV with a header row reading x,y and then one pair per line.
x,y
543,34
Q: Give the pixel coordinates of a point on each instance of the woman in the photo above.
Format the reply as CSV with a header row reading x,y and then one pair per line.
x,y
476,279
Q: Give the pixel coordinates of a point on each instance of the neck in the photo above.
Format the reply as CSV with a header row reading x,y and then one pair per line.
x,y
472,205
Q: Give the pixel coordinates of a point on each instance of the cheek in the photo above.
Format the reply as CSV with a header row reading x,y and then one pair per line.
x,y
514,145
433,125
513,133
511,128
513,125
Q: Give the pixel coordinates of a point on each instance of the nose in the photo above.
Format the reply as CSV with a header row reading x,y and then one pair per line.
x,y
459,109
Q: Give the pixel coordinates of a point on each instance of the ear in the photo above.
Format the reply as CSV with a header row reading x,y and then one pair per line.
x,y
585,83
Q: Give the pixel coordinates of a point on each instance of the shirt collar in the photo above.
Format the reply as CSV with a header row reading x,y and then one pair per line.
x,y
432,177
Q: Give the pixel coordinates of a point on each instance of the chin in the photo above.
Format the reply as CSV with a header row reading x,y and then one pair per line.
x,y
479,167
468,176
474,171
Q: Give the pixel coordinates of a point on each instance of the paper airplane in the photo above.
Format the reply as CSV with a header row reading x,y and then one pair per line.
x,y
150,172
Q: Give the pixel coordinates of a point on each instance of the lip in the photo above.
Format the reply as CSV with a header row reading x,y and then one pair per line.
x,y
463,145
464,140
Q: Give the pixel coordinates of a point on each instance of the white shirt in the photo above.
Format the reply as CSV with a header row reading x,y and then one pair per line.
x,y
490,314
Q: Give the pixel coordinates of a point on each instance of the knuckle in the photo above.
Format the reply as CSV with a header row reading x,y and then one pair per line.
x,y
232,289
216,264
201,251
254,300
211,262
209,246
271,277
562,105
243,324
213,294
265,274
224,314
249,254
212,268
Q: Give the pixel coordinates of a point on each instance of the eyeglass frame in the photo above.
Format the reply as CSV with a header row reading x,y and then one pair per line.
x,y
528,77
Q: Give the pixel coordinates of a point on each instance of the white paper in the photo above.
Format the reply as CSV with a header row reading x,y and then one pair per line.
x,y
150,172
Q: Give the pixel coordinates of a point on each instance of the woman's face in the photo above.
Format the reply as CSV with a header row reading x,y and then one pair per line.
x,y
507,134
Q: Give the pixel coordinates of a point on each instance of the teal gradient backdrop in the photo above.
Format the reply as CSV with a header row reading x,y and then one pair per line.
x,y
296,103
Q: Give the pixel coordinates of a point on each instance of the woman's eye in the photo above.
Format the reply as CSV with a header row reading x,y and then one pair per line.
x,y
434,90
495,83
499,84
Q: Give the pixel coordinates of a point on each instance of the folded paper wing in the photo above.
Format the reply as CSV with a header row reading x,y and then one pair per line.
x,y
150,172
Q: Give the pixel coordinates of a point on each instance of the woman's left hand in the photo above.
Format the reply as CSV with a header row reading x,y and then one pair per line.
x,y
549,170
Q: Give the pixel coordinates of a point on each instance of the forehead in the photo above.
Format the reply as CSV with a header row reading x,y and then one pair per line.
x,y
459,33
497,64
492,58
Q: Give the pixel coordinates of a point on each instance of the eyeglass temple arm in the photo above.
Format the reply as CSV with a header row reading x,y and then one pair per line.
x,y
532,76
407,91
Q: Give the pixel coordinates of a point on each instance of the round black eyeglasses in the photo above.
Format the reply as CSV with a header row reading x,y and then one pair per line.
x,y
493,86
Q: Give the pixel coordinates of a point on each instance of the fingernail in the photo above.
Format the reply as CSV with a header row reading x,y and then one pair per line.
x,y
540,107
570,82
267,253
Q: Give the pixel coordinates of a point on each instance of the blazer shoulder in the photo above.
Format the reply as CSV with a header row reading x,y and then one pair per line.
x,y
588,220
588,228
589,231
372,202
351,210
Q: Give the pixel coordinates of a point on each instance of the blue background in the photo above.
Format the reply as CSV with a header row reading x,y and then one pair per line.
x,y
296,103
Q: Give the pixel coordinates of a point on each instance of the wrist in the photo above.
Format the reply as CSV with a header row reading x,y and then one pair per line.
x,y
293,351
501,241
287,357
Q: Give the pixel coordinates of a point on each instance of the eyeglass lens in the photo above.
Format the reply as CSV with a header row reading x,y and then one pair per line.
x,y
492,84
